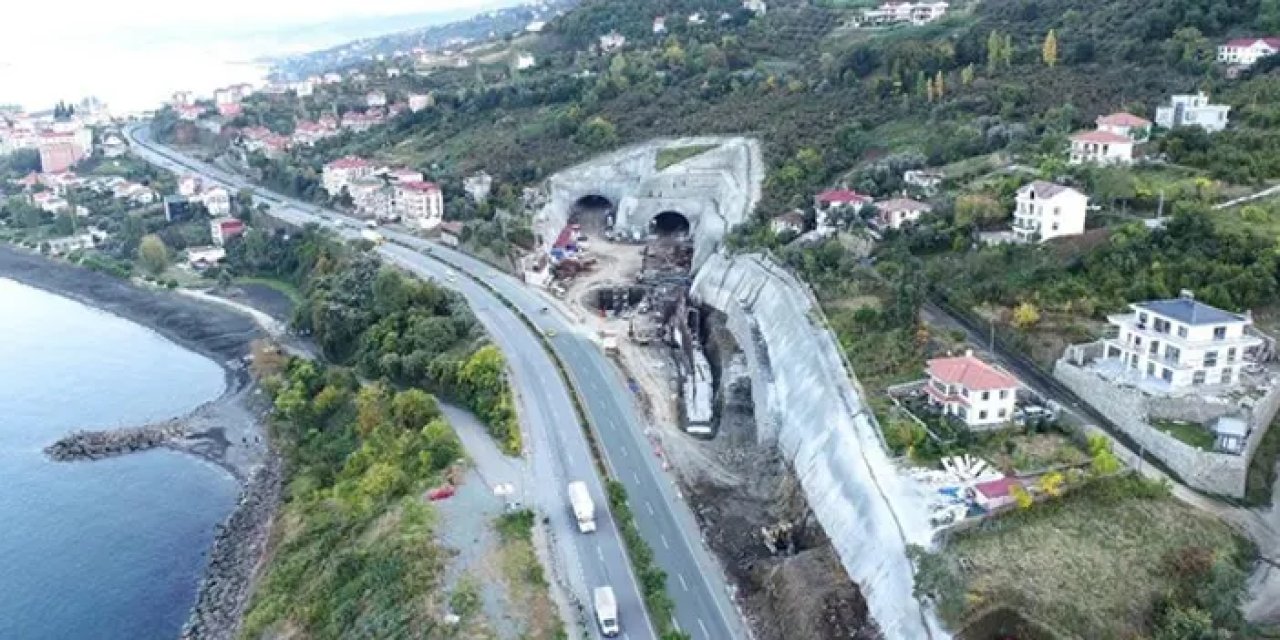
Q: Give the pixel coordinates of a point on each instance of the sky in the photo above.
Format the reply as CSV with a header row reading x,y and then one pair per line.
x,y
134,53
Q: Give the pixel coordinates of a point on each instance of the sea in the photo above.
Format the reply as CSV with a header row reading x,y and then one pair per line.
x,y
111,549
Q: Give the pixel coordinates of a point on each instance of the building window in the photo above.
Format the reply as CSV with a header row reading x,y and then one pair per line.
x,y
1161,326
1004,393
986,395
1142,321
963,413
982,415
1151,369
1001,413
1231,355
1166,374
1171,353
1211,359
1219,333
1182,331
1137,341
1197,377
1226,375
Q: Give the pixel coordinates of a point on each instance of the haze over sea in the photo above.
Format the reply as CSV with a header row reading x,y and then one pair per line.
x,y
112,549
134,54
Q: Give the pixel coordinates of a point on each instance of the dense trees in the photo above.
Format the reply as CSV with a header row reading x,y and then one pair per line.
x,y
153,254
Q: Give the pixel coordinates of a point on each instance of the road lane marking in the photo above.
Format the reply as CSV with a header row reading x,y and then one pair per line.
x,y
649,506
682,582
600,553
624,452
664,541
704,628
635,475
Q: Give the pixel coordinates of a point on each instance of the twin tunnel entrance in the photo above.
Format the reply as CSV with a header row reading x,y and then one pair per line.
x,y
596,213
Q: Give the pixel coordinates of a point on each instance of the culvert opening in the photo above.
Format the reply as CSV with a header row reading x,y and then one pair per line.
x,y
594,213
670,223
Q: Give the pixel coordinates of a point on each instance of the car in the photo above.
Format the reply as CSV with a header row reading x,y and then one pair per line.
x,y
550,333
543,311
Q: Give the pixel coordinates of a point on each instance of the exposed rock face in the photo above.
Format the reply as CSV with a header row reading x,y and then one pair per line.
x,y
237,548
95,445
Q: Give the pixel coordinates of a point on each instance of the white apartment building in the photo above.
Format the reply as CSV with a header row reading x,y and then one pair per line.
x,y
525,61
612,41
917,13
419,101
375,99
217,201
420,204
1245,52
1180,343
1187,110
980,395
372,198
1044,210
341,172
1101,147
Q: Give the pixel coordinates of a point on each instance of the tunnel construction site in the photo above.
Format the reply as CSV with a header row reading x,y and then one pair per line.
x,y
787,478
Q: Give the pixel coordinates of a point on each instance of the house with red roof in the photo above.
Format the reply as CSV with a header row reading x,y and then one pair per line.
x,y
978,394
1244,52
1126,124
993,494
840,198
419,203
1101,147
341,172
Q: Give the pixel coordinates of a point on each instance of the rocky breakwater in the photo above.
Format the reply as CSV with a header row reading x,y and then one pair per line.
x,y
95,445
237,550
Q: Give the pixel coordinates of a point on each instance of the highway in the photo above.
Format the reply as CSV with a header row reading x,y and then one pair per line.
x,y
557,446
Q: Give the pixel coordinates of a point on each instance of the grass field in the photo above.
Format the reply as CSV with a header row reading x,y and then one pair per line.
x,y
1192,434
674,155
283,287
524,576
1091,564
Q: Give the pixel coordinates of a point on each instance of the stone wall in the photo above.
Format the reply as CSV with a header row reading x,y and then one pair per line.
x,y
1129,409
807,404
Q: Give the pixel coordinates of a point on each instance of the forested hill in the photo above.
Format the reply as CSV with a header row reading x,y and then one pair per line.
x,y
824,96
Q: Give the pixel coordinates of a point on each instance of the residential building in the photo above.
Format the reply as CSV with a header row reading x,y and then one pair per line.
x,y
789,222
757,7
696,18
372,198
1125,124
478,186
916,13
182,99
360,122
1187,110
1044,210
894,213
419,203
1181,342
926,179
995,494
77,242
49,202
224,229
375,99
1101,147
60,151
660,25
976,393
536,26
841,198
420,101
401,175
612,41
113,146
1244,52
525,61
217,201
205,257
332,78
189,113
342,172
393,72
230,109
178,208
451,233
188,185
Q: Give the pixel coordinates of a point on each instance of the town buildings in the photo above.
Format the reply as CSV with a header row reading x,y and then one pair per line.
x,y
478,186
790,222
976,393
60,151
1181,342
1125,124
216,200
372,198
757,7
178,209
612,41
419,203
1044,210
832,200
1244,52
896,212
375,99
659,25
923,179
341,172
524,61
224,229
1187,110
418,102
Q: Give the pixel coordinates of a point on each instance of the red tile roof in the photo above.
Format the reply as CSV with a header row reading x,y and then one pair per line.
x,y
1101,137
1122,119
1271,41
349,162
994,489
970,373
842,196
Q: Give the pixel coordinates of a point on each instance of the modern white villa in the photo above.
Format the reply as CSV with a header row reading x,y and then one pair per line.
x,y
1172,345
980,395
1045,210
1193,111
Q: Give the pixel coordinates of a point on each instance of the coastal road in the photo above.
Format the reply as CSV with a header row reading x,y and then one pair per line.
x,y
695,582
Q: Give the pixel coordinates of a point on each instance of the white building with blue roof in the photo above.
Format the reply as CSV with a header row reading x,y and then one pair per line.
x,y
1179,344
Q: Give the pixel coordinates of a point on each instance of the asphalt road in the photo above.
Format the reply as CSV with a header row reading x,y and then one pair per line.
x,y
558,448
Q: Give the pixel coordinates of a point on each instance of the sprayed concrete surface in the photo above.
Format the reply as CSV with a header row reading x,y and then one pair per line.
x,y
819,423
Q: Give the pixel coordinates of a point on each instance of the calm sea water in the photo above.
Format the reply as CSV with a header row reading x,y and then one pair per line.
x,y
108,549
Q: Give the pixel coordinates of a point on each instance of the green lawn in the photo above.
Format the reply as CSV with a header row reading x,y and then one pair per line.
x,y
1192,434
673,155
283,287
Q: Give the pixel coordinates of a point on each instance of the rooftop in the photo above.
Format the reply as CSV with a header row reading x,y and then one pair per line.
x,y
420,186
971,373
1043,189
842,196
348,162
1272,41
1189,311
1123,119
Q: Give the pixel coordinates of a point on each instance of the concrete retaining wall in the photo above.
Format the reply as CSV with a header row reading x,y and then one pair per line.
x,y
807,405
1129,409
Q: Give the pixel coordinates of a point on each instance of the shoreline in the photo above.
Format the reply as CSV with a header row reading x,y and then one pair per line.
x,y
228,431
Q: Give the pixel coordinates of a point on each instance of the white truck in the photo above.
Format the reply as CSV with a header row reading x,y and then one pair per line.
x,y
606,611
372,236
584,509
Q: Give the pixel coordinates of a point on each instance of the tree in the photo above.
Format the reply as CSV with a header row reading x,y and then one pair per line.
x,y
939,85
978,209
153,254
413,409
1021,497
371,411
1051,483
1025,316
1049,51
995,50
597,133
966,75
1006,51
